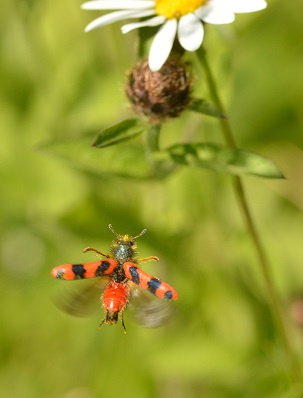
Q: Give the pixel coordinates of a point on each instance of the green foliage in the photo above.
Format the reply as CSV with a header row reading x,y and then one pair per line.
x,y
221,159
117,160
120,132
131,161
205,108
123,160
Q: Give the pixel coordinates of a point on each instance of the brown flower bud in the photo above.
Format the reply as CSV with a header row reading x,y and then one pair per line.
x,y
162,94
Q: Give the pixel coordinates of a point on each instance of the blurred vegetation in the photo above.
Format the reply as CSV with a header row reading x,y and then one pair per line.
x,y
59,84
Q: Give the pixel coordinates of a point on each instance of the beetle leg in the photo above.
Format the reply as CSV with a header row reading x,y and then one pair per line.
x,y
102,323
123,324
91,249
150,258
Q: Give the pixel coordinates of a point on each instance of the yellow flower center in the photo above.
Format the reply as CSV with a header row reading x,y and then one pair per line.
x,y
177,8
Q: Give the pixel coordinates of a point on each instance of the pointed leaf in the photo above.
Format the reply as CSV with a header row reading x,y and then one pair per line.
x,y
123,131
222,159
204,107
124,160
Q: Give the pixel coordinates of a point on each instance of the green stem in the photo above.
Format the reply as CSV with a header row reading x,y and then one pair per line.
x,y
152,138
255,237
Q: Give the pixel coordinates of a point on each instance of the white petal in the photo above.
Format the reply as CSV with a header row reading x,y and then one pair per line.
x,y
162,45
116,16
190,32
117,4
214,13
240,6
158,20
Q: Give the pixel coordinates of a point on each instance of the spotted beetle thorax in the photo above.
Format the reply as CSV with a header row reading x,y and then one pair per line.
x,y
123,249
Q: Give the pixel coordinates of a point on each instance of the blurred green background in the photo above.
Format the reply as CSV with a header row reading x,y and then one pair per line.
x,y
58,83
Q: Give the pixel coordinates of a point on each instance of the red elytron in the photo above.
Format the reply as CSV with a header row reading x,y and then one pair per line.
x,y
121,269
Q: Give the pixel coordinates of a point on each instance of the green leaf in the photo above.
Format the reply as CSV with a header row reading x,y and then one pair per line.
x,y
204,107
222,159
118,133
124,160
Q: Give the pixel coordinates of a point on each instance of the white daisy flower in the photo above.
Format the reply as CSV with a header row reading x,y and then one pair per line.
x,y
178,17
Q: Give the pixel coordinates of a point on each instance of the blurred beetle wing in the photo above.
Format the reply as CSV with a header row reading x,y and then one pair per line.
x,y
147,310
82,300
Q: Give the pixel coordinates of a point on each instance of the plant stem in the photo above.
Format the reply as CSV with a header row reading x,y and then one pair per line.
x,y
255,237
152,138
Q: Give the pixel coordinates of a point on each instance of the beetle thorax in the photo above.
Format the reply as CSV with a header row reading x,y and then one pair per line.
x,y
123,249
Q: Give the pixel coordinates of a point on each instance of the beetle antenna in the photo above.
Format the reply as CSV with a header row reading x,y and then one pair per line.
x,y
134,237
140,234
112,229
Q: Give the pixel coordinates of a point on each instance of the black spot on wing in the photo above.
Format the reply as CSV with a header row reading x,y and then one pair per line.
x,y
134,275
168,295
102,268
79,271
153,285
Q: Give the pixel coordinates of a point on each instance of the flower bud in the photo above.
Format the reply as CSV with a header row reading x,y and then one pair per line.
x,y
162,94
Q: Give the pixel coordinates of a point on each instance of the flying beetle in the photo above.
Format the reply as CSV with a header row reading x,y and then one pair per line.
x,y
121,270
